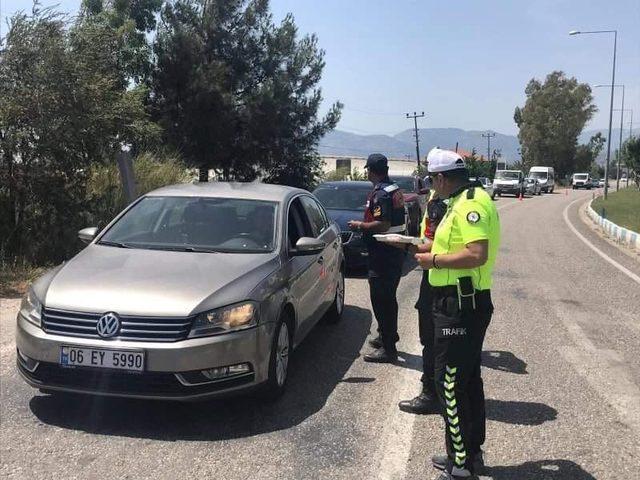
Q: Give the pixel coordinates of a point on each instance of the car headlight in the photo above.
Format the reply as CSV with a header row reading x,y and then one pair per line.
x,y
226,319
31,308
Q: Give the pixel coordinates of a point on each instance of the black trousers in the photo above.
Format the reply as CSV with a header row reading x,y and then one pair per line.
x,y
424,305
382,289
459,335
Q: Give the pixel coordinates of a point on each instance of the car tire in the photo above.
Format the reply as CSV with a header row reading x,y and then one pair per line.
x,y
280,351
493,196
334,314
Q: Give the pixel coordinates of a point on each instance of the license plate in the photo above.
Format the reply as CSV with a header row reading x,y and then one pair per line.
x,y
102,358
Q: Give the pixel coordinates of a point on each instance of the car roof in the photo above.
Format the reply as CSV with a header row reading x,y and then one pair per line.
x,y
248,191
347,183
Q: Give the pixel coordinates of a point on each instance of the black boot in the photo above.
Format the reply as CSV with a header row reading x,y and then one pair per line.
x,y
440,462
381,356
423,404
376,342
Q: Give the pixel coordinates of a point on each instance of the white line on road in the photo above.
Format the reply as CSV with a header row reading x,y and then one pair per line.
x,y
623,269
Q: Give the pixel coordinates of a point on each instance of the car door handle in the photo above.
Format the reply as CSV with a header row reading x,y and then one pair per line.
x,y
321,260
335,245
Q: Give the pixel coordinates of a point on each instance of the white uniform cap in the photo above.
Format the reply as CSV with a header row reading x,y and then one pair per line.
x,y
443,161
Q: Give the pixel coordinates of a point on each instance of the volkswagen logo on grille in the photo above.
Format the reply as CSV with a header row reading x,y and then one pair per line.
x,y
108,325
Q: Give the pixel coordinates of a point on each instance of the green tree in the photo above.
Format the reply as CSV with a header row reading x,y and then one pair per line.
x,y
479,168
237,93
586,155
631,158
63,106
553,117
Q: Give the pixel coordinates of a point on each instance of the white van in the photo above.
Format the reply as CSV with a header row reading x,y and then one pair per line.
x,y
546,177
581,180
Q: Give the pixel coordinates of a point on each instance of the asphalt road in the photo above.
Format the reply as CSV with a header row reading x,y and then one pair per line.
x,y
561,369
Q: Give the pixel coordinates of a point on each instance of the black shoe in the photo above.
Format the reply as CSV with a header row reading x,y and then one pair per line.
x,y
376,342
466,475
440,462
381,356
423,404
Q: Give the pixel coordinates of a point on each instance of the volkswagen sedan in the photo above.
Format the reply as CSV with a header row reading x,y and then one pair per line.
x,y
194,291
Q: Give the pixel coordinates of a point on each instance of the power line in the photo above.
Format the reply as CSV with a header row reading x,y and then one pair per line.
x,y
488,136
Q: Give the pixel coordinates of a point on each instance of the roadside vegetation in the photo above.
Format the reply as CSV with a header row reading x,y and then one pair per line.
x,y
186,86
621,207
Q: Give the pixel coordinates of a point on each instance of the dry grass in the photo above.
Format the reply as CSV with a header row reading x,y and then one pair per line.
x,y
15,279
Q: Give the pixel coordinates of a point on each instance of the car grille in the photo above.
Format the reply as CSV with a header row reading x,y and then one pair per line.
x,y
106,381
346,236
143,329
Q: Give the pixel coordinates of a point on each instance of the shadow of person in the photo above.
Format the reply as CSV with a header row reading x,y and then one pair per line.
x,y
519,413
541,469
316,367
410,361
504,361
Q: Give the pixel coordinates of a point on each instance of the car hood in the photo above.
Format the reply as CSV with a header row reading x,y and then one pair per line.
x,y
153,282
342,217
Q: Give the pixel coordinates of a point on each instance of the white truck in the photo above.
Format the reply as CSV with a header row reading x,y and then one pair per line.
x,y
509,181
581,180
546,177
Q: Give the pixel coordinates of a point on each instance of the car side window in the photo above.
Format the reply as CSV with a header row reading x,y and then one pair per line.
x,y
316,216
298,224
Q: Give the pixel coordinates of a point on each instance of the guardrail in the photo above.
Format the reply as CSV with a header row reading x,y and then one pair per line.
x,y
620,234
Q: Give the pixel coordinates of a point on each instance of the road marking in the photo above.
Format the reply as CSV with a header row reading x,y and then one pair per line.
x,y
622,268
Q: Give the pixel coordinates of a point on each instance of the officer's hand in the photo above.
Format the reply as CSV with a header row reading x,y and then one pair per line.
x,y
354,225
424,259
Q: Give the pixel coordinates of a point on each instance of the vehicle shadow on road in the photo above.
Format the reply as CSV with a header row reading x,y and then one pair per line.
x,y
317,366
520,413
504,361
541,469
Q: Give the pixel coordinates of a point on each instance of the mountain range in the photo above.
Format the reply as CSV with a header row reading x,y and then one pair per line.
x,y
402,145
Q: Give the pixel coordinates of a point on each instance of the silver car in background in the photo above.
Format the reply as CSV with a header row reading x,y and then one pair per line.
x,y
194,291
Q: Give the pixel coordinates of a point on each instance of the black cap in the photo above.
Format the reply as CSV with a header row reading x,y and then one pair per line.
x,y
377,162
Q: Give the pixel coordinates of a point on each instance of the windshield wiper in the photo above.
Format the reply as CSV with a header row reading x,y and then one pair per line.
x,y
114,244
185,248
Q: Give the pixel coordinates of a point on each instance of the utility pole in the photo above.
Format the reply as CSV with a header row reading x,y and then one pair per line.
x,y
415,117
488,136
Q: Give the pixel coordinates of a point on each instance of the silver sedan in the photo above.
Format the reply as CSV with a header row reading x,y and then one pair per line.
x,y
194,291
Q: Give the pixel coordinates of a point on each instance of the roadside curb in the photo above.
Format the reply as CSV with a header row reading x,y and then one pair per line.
x,y
619,234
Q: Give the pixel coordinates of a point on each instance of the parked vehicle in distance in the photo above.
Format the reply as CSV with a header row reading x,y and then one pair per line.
x,y
581,180
601,183
532,186
415,195
346,201
546,177
509,181
194,291
486,184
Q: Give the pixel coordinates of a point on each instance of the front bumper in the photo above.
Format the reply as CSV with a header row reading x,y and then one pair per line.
x,y
170,368
514,189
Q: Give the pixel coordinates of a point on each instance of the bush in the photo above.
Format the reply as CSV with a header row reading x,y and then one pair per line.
x,y
105,196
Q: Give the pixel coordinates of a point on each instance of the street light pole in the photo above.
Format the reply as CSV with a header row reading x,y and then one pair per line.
x,y
415,117
613,82
621,127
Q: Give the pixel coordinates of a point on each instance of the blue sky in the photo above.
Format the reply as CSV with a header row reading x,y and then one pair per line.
x,y
464,63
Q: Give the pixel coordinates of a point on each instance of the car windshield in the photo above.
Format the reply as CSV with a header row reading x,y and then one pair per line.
x,y
504,175
343,197
405,183
580,176
196,224
539,175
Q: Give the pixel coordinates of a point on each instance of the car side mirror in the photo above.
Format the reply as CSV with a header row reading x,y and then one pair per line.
x,y
88,234
308,246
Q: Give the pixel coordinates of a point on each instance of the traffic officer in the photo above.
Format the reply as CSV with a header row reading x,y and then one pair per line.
x,y
461,264
426,401
385,213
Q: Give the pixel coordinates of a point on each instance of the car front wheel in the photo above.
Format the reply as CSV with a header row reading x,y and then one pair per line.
x,y
279,361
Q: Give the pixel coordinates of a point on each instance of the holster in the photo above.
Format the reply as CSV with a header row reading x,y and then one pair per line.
x,y
466,294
